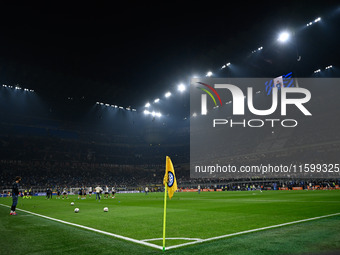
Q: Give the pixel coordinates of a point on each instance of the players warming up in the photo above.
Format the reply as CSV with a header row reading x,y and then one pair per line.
x,y
80,192
25,194
113,192
106,192
83,196
58,193
48,193
98,190
30,193
90,192
65,193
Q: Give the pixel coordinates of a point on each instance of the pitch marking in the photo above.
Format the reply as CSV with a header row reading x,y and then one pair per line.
x,y
250,231
91,229
197,240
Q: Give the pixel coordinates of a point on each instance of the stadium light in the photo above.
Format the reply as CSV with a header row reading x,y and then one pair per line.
x,y
146,112
156,100
315,21
147,105
181,87
167,94
317,71
283,37
209,74
327,67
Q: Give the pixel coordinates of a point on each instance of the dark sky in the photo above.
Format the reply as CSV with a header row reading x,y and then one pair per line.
x,y
127,53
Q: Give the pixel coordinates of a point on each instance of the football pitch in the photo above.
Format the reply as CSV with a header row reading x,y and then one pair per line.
x,y
245,222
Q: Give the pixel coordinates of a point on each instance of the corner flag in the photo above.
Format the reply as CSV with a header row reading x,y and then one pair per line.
x,y
170,178
170,184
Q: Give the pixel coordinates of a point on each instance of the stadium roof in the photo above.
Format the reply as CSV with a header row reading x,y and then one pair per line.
x,y
134,53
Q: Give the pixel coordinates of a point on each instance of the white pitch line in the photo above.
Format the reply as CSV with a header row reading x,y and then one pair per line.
x,y
250,231
143,242
92,229
172,238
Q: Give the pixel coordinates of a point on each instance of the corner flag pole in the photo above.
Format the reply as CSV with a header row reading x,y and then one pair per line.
x,y
164,218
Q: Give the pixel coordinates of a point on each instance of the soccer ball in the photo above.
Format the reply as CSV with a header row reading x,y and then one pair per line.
x,y
76,210
106,209
72,203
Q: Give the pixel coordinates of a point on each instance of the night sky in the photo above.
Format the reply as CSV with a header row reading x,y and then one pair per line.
x,y
127,53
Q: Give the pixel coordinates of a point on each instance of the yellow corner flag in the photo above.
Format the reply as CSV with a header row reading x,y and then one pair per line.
x,y
170,178
170,184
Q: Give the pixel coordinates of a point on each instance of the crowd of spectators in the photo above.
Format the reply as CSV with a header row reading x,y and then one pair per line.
x,y
48,152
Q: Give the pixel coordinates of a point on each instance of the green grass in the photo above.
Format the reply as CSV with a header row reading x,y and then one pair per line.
x,y
189,215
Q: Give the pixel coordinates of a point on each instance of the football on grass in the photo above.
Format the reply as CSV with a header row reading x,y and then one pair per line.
x,y
72,203
76,210
106,209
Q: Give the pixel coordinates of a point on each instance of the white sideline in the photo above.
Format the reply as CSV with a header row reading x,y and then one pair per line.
x,y
198,240
92,229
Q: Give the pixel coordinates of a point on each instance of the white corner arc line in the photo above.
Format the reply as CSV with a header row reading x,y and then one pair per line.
x,y
172,238
251,230
92,229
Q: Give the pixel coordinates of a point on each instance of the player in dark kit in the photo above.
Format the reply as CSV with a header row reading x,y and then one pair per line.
x,y
15,194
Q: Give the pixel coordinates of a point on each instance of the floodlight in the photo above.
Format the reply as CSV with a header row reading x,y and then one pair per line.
x,y
167,94
283,37
147,105
156,100
181,87
209,74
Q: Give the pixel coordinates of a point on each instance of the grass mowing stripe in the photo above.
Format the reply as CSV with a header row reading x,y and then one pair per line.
x,y
91,229
250,231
